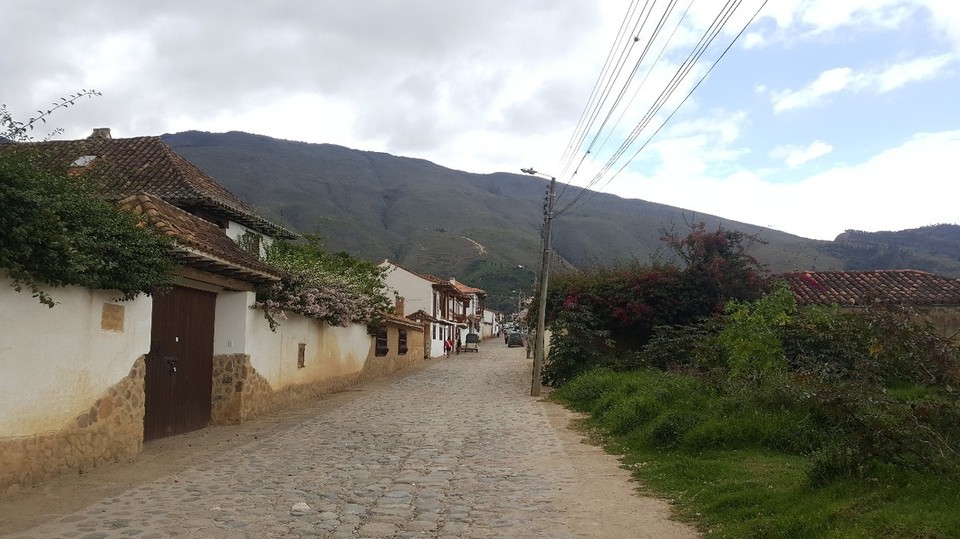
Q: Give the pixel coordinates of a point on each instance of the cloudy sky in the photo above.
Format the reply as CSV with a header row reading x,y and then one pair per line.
x,y
823,116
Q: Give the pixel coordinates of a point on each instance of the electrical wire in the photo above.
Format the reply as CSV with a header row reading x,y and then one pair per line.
x,y
683,71
571,146
686,97
623,89
611,77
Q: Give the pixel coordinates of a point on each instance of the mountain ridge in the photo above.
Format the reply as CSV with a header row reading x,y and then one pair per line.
x,y
431,218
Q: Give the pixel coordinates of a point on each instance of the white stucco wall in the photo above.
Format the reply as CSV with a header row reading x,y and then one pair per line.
x,y
416,291
330,351
234,321
436,345
235,230
56,362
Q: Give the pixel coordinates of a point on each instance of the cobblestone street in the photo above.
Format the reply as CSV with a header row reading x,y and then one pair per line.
x,y
454,449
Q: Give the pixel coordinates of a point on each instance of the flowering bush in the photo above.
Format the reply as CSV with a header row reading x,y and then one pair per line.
x,y
335,288
618,308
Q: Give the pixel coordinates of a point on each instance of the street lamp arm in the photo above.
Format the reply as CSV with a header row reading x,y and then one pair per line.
x,y
533,172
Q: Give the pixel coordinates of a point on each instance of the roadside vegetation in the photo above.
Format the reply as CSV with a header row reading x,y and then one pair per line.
x,y
756,417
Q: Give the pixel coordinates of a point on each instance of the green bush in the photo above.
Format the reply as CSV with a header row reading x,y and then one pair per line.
x,y
578,344
55,232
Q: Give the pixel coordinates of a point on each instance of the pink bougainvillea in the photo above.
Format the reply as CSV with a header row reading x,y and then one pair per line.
x,y
336,305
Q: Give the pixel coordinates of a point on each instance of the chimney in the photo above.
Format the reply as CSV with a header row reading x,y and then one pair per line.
x,y
100,133
400,305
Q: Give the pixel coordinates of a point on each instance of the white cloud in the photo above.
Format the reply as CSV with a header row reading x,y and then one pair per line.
x,y
817,17
915,70
829,82
794,156
753,40
945,17
906,186
840,79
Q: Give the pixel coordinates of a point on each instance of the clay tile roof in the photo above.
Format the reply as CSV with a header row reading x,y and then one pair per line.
x,y
465,289
422,316
855,288
128,166
432,278
400,321
199,243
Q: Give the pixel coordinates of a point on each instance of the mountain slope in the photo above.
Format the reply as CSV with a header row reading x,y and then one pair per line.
x,y
483,229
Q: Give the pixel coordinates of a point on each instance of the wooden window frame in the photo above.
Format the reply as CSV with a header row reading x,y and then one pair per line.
x,y
382,346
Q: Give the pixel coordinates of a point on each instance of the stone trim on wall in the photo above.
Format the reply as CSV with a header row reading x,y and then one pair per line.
x,y
240,393
111,430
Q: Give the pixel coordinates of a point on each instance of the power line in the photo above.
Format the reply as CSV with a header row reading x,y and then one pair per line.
x,y
660,24
719,22
571,145
611,77
681,74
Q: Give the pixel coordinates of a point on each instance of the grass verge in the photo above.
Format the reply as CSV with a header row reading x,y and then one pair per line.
x,y
740,470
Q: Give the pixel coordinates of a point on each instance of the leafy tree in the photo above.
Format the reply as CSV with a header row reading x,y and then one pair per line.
x,y
752,334
627,302
717,264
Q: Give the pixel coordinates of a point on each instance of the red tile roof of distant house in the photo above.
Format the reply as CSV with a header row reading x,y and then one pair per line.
x,y
423,316
860,288
466,289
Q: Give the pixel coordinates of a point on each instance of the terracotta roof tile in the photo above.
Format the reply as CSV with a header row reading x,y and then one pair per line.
x,y
854,288
422,316
465,289
147,164
200,243
400,321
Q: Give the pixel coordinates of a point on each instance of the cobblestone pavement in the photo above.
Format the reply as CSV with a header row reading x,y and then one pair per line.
x,y
455,449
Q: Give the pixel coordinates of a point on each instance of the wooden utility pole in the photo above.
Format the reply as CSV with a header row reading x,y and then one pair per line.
x,y
535,383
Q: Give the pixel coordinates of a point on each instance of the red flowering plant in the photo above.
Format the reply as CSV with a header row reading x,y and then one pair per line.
x,y
623,305
718,263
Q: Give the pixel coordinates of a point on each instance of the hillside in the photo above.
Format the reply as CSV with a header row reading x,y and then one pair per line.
x,y
934,248
483,229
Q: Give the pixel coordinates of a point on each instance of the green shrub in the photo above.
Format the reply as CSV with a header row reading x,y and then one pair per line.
x,y
668,429
57,232
578,345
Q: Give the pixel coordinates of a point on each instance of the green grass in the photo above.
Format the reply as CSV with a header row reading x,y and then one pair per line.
x,y
739,470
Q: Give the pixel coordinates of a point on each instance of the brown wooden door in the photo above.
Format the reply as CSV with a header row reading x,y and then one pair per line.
x,y
179,376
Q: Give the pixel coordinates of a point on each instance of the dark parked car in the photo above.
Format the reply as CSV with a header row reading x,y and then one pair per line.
x,y
515,339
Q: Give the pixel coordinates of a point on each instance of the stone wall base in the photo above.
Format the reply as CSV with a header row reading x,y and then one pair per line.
x,y
111,430
240,393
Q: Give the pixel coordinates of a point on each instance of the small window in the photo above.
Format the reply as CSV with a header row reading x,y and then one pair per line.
x,y
302,356
383,348
250,242
402,342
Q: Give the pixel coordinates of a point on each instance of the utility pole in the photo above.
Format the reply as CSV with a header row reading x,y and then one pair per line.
x,y
535,383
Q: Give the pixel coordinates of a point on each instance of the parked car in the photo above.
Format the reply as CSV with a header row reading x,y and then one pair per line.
x,y
515,339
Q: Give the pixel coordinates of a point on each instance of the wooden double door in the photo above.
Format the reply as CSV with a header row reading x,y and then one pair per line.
x,y
179,374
